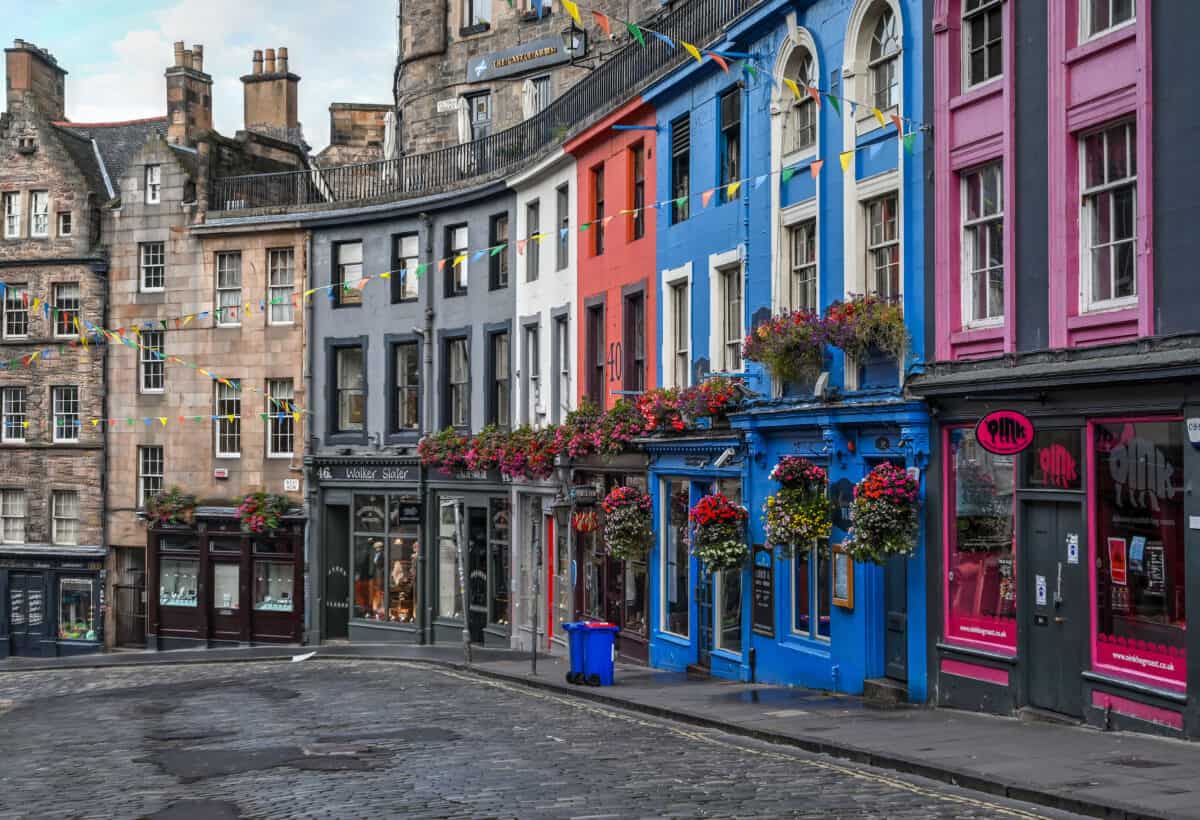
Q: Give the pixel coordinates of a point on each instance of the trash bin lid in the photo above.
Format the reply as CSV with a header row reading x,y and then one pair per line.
x,y
601,625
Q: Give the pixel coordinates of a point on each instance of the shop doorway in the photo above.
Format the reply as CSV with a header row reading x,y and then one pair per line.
x,y
895,602
1052,543
27,610
335,558
477,572
704,619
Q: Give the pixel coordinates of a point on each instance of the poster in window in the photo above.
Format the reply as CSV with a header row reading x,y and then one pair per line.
x,y
1116,561
1155,569
843,579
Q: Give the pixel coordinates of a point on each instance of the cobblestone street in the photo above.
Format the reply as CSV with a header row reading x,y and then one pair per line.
x,y
372,739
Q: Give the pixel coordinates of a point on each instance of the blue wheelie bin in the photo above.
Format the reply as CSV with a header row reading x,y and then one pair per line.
x,y
599,652
575,643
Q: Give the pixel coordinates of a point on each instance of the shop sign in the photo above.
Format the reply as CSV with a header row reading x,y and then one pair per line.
x,y
1004,432
584,494
1193,428
362,472
449,106
763,585
539,53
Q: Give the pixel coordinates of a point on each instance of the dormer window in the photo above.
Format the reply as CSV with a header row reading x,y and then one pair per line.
x,y
885,51
153,184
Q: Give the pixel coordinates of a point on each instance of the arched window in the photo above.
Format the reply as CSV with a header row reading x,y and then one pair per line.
x,y
800,126
883,60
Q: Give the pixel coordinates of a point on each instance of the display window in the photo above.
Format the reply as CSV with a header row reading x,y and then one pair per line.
x,y
274,587
181,541
178,581
675,556
1138,549
75,619
226,581
498,566
385,543
981,598
224,543
449,567
811,591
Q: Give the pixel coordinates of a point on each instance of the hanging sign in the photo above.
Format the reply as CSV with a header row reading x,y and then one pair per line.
x,y
535,54
763,583
1004,432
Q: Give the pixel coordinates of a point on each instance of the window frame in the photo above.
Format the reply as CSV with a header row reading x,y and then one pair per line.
x,y
889,59
455,285
812,566
1085,21
402,275
399,386
68,400
801,115
637,190
561,359
562,257
15,306
10,201
531,371
146,249
533,255
44,196
7,493
597,179
280,261
681,331
14,413
56,516
477,128
499,269
334,349
221,260
150,366
809,266
984,10
227,398
499,378
66,316
729,141
64,225
1087,303
633,326
681,160
145,456
346,291
969,228
281,424
595,337
665,557
731,343
872,248
152,180
450,345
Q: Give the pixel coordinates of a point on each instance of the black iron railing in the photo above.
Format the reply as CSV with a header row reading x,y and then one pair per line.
x,y
616,80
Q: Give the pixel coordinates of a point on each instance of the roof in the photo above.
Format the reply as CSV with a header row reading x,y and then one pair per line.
x,y
118,142
83,152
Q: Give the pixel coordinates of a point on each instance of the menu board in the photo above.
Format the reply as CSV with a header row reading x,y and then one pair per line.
x,y
763,610
34,599
1155,569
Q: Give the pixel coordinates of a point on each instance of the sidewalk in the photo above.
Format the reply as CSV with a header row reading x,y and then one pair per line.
x,y
1104,774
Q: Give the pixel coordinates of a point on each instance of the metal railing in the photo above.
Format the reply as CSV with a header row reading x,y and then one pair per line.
x,y
615,81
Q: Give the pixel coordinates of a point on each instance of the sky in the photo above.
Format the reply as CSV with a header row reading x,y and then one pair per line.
x,y
117,50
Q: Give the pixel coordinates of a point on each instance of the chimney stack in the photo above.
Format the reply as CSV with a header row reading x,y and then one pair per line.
x,y
189,96
34,74
271,98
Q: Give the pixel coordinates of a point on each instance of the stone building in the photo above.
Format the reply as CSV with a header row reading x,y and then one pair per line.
x,y
467,68
358,132
211,323
52,286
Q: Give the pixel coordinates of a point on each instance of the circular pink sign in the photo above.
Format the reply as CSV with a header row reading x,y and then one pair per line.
x,y
1004,432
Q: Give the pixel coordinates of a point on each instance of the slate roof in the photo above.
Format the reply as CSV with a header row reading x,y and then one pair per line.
x,y
118,142
84,155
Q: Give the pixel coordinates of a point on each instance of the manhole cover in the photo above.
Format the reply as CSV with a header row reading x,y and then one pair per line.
x,y
1139,763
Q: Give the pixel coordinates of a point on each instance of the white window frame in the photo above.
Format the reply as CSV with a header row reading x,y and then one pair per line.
x,y
14,506
501,386
60,298
227,401
147,261
281,283
856,72
15,306
153,181
531,343
665,577
39,214
562,341
403,387
1087,304
150,456
229,296
281,425
718,610
65,223
985,222
344,384
1085,20
803,274
718,264
12,214
732,279
152,370
410,285
60,517
673,278
64,400
459,383
477,12
984,8
14,413
873,247
874,64
798,45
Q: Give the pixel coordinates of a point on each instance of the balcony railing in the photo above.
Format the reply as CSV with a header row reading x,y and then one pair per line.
x,y
615,81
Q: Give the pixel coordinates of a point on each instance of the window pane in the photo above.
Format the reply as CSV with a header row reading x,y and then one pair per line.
x,y
448,580
1098,10
801,594
677,558
824,592
179,580
1141,618
980,583
274,587
1101,274
402,574
1117,153
368,577
1093,160
974,185
1123,212
731,611
1123,281
75,622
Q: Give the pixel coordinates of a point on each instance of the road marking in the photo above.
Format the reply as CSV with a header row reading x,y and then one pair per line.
x,y
872,777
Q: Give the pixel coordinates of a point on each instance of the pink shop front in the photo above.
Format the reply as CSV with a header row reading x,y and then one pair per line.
x,y
1064,568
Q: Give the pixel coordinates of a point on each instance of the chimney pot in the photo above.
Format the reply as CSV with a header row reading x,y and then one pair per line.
x,y
258,60
270,66
179,52
282,62
187,58
198,57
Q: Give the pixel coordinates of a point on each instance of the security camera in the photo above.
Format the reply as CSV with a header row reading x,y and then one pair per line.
x,y
822,385
724,458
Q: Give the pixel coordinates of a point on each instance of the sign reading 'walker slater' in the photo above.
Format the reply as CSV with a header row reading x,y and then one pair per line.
x,y
1004,432
544,51
763,586
360,472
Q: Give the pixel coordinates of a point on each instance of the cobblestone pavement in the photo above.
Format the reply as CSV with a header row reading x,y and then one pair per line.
x,y
379,740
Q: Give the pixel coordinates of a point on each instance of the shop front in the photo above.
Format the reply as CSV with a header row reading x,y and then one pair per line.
x,y
53,601
700,625
209,584
605,588
1065,525
541,567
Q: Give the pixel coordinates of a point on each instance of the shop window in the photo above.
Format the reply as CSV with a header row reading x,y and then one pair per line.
x,y
1053,461
981,595
1138,486
178,581
271,546
812,592
274,585
347,273
226,580
228,543
676,556
75,617
370,517
729,611
450,534
498,567
178,542
636,596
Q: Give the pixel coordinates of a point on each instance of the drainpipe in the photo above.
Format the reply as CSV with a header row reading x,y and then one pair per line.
x,y
311,491
106,486
423,571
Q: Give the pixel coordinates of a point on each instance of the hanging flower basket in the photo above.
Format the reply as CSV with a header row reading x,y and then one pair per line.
x,y
445,451
659,407
719,533
260,512
866,323
883,515
171,507
627,523
713,398
790,345
800,513
528,454
585,521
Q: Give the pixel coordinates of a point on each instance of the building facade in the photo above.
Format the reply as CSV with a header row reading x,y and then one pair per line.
x,y
1065,356
53,286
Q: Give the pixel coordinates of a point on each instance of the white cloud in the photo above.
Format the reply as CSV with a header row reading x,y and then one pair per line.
x,y
343,51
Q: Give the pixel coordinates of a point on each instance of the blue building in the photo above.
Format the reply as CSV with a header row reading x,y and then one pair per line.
x,y
792,203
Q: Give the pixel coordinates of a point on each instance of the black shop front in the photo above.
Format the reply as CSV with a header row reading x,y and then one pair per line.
x,y
53,601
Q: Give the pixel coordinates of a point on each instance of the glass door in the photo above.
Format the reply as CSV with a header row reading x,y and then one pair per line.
x,y
226,600
27,613
477,572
